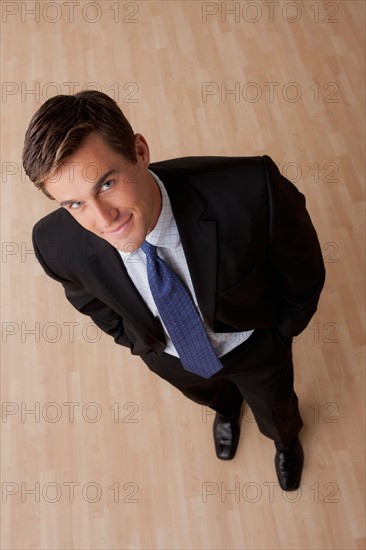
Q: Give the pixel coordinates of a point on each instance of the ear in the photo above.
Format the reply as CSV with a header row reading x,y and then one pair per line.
x,y
142,149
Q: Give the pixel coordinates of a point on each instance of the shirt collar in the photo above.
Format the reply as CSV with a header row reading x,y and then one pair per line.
x,y
164,233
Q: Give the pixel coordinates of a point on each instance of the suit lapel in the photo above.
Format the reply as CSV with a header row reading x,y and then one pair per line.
x,y
199,240
111,279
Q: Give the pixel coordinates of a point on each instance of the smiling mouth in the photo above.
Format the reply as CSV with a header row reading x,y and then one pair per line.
x,y
120,229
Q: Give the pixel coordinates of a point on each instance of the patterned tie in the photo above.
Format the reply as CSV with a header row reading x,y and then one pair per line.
x,y
180,316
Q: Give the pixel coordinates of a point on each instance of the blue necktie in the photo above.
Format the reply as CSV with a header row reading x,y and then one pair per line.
x,y
180,316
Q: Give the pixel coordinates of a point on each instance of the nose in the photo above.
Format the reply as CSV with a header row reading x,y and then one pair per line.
x,y
104,214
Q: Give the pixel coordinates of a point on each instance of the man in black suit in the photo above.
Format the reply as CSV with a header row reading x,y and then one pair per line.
x,y
234,230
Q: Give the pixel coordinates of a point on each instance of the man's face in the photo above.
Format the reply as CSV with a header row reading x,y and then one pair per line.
x,y
117,200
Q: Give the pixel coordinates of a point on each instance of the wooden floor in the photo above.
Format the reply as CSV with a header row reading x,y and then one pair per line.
x,y
97,453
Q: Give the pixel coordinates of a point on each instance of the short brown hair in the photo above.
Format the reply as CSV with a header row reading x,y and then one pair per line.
x,y
59,126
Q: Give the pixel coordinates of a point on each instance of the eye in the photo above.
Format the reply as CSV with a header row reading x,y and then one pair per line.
x,y
107,185
75,205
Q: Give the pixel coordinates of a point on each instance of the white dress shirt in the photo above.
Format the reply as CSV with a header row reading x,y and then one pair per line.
x,y
166,237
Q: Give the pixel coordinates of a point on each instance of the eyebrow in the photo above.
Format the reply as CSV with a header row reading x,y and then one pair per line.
x,y
95,187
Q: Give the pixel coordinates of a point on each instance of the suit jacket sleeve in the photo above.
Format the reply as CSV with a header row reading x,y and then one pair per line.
x,y
296,262
101,314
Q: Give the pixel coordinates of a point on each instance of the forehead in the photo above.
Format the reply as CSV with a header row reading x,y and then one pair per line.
x,y
94,147
89,163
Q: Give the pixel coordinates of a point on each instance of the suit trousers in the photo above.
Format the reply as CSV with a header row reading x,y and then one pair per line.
x,y
259,371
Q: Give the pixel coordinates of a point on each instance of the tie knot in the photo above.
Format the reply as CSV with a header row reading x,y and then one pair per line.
x,y
149,249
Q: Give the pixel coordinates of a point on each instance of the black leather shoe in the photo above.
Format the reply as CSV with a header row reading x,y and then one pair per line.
x,y
289,462
226,432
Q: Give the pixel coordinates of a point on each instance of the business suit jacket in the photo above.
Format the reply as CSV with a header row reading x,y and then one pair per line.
x,y
251,248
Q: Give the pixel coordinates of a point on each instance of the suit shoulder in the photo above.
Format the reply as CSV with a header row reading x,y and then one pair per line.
x,y
207,164
215,175
56,224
